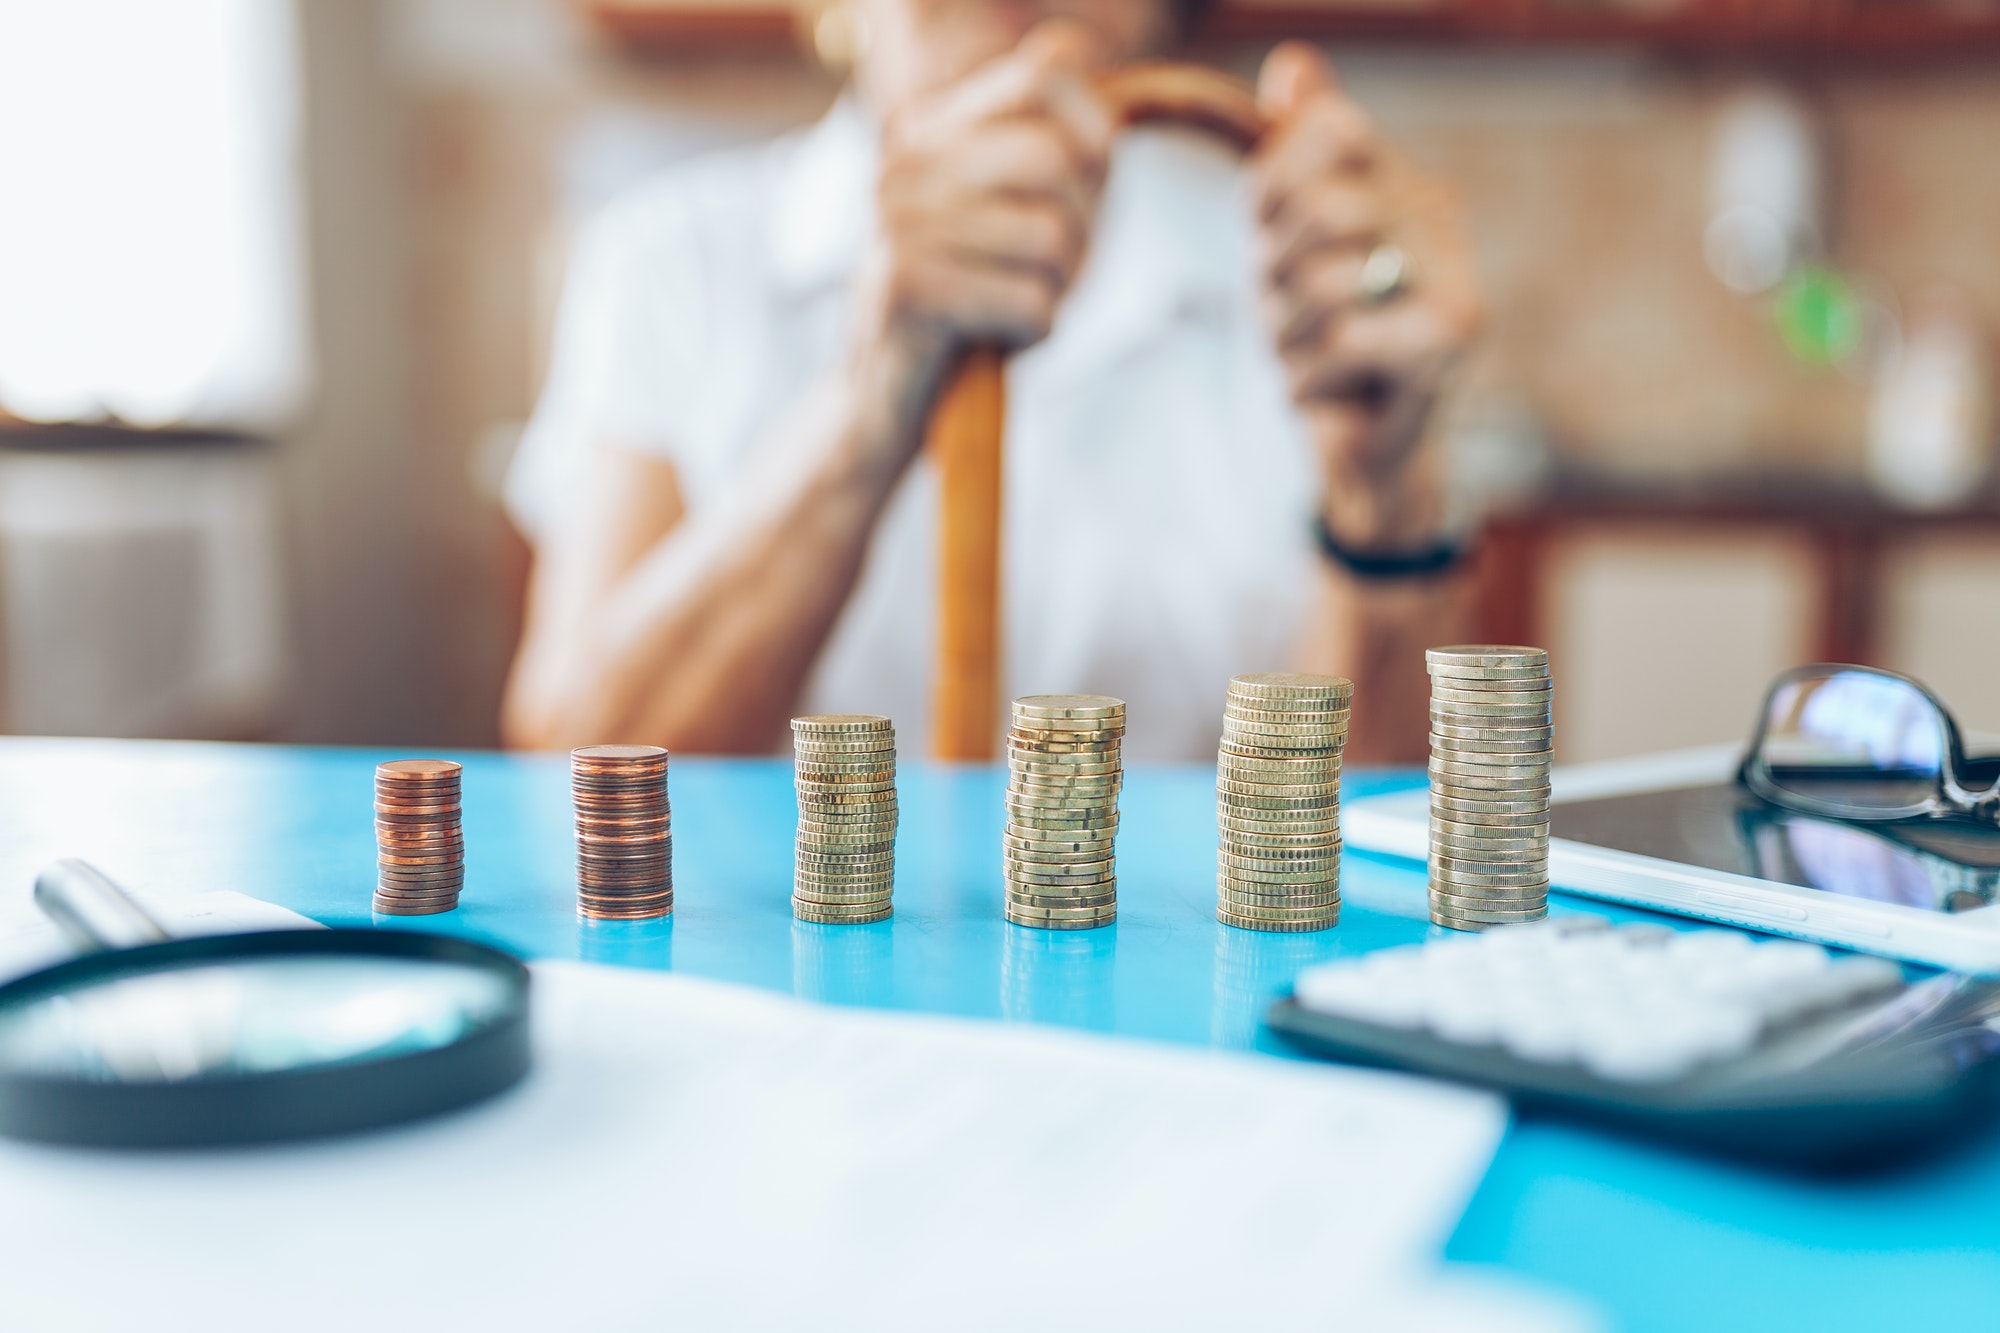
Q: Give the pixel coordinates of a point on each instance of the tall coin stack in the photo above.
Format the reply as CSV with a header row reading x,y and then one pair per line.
x,y
1277,802
1063,776
624,832
1490,740
844,863
419,846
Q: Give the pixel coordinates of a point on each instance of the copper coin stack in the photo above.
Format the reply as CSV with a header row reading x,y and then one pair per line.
x,y
1277,802
1064,772
624,832
419,846
1490,748
844,862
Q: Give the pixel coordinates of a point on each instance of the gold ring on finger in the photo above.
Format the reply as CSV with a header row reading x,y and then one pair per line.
x,y
1385,274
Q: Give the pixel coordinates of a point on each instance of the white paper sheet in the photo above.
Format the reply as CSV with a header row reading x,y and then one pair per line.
x,y
689,1155
29,940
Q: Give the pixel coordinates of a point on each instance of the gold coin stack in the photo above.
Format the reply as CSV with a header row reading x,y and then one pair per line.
x,y
1063,776
624,832
419,846
844,862
1490,742
1277,802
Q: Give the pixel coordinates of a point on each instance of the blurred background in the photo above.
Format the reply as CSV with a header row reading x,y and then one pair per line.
x,y
277,278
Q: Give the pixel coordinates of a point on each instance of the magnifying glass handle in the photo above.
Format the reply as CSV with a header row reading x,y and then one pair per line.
x,y
92,912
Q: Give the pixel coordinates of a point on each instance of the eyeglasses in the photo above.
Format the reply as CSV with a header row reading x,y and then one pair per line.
x,y
1857,743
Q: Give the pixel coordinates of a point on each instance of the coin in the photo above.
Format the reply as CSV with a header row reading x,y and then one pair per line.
x,y
1262,713
1037,914
1275,808
1485,916
403,904
1289,926
1065,816
1265,861
1320,901
1307,731
1485,783
1445,690
1096,778
841,895
1292,686
1278,898
1280,768
1488,841
852,742
1466,715
418,770
840,724
1045,706
1478,802
1504,894
1485,655
1474,759
858,915
1457,824
1487,858
1495,737
1518,787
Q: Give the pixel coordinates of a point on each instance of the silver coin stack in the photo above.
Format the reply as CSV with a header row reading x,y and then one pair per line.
x,y
1277,802
1490,743
1064,771
844,861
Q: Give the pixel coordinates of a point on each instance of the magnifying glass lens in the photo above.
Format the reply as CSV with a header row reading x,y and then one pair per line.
x,y
250,1016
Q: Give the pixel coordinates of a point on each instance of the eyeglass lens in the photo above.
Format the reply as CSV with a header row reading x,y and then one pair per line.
x,y
1858,740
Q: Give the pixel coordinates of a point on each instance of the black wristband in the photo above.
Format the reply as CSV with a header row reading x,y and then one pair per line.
x,y
1420,563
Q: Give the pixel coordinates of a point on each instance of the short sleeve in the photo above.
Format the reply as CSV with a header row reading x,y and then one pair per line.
x,y
627,352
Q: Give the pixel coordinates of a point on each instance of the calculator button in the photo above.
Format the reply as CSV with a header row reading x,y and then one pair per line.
x,y
1635,1004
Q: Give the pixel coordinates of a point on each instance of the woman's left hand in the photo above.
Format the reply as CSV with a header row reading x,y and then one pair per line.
x,y
1371,295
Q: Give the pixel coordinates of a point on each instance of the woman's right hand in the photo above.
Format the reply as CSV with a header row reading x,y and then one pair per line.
x,y
985,200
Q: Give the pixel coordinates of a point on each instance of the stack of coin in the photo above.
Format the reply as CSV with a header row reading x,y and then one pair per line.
x,y
624,832
1490,741
1063,776
419,847
844,862
1277,802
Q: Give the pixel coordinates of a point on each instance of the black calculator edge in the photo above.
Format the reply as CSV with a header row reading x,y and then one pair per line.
x,y
1891,1111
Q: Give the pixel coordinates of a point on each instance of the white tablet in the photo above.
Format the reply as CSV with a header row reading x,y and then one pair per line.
x,y
1674,832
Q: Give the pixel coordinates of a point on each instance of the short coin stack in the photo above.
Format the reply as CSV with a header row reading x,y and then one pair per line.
x,y
1063,775
1490,741
419,846
844,862
624,832
1277,802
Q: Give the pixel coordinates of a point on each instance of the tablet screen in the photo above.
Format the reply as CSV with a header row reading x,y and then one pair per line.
x,y
1943,866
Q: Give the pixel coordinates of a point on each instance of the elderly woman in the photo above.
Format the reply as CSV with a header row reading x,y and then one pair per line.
x,y
1217,455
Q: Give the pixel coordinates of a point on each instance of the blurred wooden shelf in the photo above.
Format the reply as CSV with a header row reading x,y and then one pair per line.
x,y
1848,31
1848,533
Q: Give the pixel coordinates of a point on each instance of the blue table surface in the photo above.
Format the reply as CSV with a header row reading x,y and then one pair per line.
x,y
1657,1238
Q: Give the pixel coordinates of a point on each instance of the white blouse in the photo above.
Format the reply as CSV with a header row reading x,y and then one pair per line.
x,y
1159,485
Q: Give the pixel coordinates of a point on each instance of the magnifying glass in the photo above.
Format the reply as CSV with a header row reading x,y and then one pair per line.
x,y
154,1042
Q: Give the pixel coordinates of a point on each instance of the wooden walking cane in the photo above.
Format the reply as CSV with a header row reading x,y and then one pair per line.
x,y
970,418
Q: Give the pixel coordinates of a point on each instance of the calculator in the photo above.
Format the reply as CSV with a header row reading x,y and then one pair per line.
x,y
1766,1048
